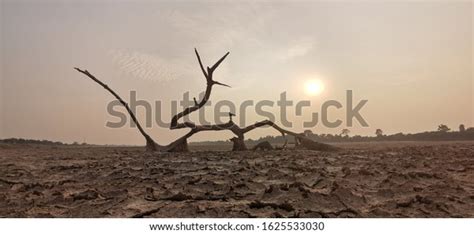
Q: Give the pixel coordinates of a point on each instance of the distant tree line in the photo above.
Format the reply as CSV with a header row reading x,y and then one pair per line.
x,y
442,133
36,142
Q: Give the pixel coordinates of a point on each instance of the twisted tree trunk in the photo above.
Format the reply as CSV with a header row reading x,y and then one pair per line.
x,y
181,144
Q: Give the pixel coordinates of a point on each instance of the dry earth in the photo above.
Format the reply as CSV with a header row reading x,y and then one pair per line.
x,y
401,179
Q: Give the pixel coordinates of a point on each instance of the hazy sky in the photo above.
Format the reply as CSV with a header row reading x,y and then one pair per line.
x,y
412,61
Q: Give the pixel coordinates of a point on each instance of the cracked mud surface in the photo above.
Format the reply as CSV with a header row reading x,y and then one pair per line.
x,y
396,179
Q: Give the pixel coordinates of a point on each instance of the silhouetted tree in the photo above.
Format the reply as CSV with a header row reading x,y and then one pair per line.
x,y
462,128
443,128
181,144
379,132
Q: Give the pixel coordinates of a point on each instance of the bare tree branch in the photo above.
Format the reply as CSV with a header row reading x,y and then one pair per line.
x,y
238,141
151,145
210,82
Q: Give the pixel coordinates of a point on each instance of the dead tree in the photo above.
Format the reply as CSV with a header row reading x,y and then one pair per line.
x,y
181,144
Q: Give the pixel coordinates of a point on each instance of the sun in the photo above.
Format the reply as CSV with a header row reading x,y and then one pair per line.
x,y
314,87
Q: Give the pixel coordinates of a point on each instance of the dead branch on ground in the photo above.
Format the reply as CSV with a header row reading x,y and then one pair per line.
x,y
181,144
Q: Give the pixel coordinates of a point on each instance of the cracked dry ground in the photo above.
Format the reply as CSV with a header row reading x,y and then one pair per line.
x,y
362,180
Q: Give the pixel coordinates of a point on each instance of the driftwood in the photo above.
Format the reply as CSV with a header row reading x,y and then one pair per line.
x,y
181,145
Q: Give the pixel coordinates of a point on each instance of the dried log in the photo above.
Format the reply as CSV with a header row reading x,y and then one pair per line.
x,y
238,142
181,144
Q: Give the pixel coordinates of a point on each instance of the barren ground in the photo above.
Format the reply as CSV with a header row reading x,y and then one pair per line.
x,y
396,179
